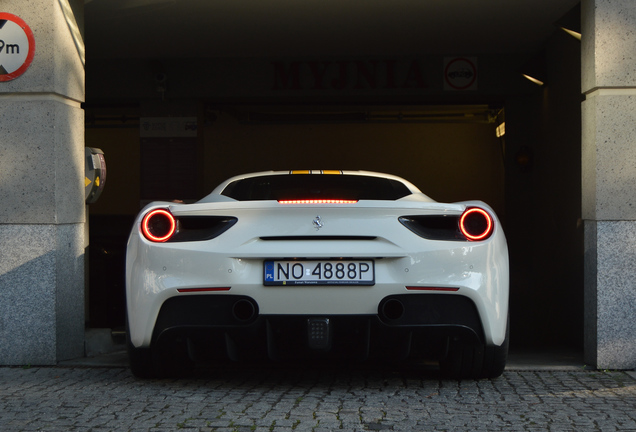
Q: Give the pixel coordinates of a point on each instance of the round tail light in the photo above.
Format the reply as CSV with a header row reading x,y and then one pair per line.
x,y
158,225
476,224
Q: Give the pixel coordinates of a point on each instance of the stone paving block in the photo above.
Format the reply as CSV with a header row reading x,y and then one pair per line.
x,y
81,399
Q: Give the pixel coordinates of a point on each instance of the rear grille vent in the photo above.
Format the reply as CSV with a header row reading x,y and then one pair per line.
x,y
318,238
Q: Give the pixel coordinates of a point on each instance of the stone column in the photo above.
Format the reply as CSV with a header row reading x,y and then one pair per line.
x,y
42,215
609,181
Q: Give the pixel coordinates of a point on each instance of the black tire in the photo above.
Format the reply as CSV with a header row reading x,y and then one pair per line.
x,y
476,361
173,362
140,359
141,364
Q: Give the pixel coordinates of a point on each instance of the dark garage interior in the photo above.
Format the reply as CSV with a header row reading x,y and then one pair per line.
x,y
279,85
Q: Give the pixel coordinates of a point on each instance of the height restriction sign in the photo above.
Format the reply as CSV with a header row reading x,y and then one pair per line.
x,y
17,46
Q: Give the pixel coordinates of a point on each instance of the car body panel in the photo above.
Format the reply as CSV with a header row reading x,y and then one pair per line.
x,y
232,263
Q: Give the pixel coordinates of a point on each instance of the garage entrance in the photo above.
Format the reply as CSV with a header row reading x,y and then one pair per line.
x,y
452,153
406,113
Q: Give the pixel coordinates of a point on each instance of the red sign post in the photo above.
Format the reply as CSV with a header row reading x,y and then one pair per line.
x,y
17,46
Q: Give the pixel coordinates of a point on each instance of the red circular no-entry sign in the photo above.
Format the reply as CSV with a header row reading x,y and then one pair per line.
x,y
17,46
460,73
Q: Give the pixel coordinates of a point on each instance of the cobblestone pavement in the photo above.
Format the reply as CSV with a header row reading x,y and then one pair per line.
x,y
313,399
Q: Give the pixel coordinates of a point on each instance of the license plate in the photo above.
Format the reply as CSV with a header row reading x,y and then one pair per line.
x,y
319,272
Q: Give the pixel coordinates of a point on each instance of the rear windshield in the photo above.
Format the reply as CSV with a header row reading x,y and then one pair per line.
x,y
312,186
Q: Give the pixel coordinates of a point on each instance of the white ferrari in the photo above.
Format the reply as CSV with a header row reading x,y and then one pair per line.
x,y
324,265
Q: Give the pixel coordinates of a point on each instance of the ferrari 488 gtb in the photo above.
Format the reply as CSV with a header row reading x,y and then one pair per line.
x,y
322,265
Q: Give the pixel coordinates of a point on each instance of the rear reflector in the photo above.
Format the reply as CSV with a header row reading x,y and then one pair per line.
x,y
422,288
318,201
191,290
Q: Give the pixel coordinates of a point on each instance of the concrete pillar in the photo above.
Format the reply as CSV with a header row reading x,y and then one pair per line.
x,y
609,181
42,215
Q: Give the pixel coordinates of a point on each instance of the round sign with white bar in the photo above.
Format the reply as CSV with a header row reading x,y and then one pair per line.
x,y
17,46
460,73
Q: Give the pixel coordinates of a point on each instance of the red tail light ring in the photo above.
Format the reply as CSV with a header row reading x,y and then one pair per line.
x,y
476,224
159,225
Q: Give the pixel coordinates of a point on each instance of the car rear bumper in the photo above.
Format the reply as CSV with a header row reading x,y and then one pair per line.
x,y
230,327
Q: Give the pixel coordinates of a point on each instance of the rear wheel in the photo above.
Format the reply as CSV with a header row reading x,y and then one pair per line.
x,y
172,363
476,361
139,359
170,360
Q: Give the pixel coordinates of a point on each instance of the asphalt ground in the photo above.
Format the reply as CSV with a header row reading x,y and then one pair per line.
x,y
100,394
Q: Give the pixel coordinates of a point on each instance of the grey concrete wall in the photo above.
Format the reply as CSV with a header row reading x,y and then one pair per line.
x,y
609,181
42,190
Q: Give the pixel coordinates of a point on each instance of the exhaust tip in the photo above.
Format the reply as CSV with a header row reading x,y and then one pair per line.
x,y
392,309
244,310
